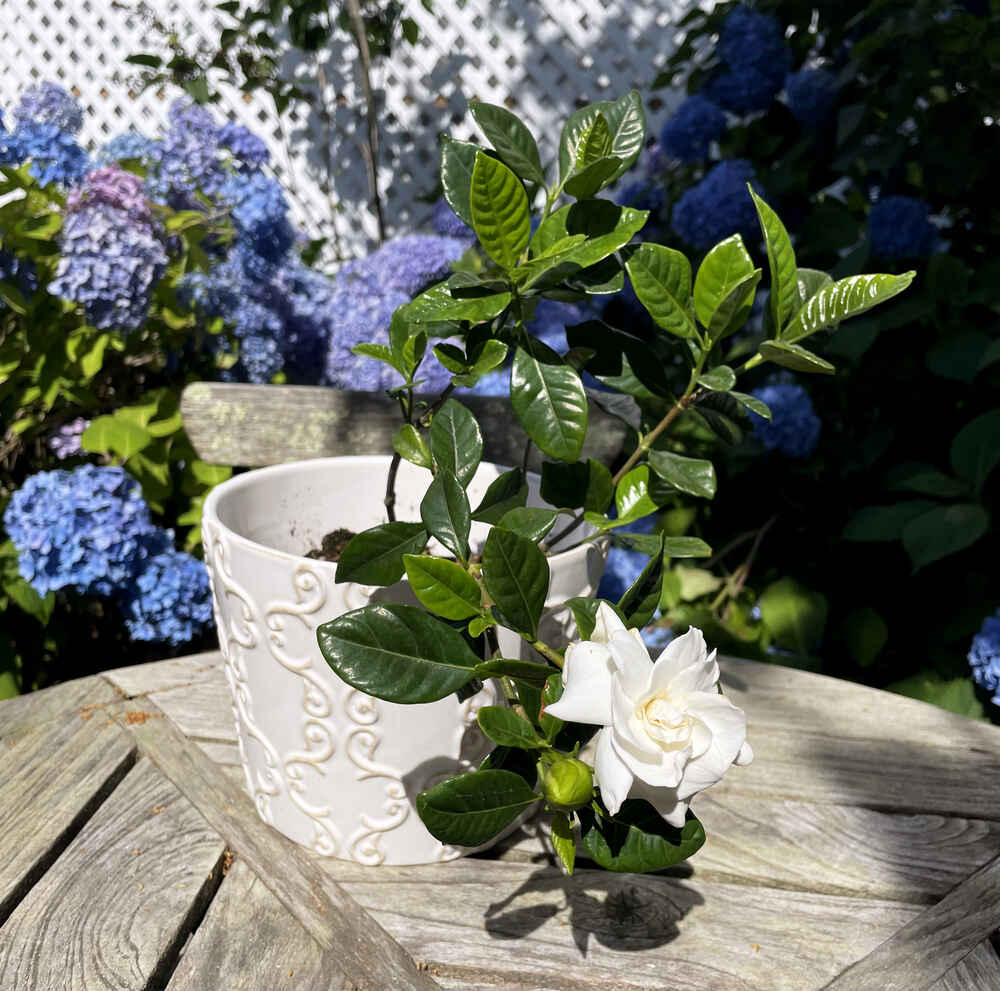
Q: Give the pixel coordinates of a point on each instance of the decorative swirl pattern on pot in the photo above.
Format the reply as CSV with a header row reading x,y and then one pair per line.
x,y
365,842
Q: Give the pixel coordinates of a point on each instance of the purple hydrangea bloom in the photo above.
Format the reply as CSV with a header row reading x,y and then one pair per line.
x,y
260,214
411,263
65,442
187,158
752,46
169,600
446,222
900,227
87,529
794,427
984,656
717,206
691,128
111,263
625,565
49,103
116,187
244,145
130,145
54,154
643,194
811,94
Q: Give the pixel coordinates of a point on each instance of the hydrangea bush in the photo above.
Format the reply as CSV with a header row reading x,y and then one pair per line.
x,y
611,743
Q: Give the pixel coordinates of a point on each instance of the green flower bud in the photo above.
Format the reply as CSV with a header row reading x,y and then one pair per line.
x,y
567,784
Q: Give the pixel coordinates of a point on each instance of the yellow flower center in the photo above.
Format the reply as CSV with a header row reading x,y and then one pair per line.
x,y
664,722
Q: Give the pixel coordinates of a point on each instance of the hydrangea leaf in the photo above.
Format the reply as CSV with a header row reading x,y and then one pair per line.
x,y
661,278
549,400
500,211
397,652
512,140
443,587
115,435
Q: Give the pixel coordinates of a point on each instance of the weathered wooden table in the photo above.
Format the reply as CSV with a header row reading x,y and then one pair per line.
x,y
859,851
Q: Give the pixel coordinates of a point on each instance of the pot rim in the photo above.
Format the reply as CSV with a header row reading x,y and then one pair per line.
x,y
248,479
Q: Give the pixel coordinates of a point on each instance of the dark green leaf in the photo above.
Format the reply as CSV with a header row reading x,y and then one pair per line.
x,y
752,403
446,514
516,575
512,140
955,694
637,839
593,178
943,531
456,441
661,278
549,400
784,299
795,615
642,597
884,523
410,446
474,807
975,451
529,522
457,161
507,728
398,653
694,476
794,356
375,556
150,61
505,493
580,485
925,480
443,587
607,226
500,212
865,634
521,671
584,611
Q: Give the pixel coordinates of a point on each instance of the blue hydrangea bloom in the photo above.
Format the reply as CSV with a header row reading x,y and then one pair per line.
x,y
753,48
169,600
54,154
691,128
984,656
446,222
718,206
129,145
260,213
643,194
260,357
111,264
244,145
794,426
552,317
624,565
657,636
413,262
187,158
810,94
87,529
49,103
900,227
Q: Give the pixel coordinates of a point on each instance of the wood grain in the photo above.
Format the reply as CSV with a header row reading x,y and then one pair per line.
x,y
255,425
51,780
248,941
19,714
202,710
979,971
927,947
114,909
141,679
368,955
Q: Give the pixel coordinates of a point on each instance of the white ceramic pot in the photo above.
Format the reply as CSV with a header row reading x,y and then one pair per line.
x,y
327,765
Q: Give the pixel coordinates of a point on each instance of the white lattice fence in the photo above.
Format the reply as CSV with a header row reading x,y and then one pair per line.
x,y
539,57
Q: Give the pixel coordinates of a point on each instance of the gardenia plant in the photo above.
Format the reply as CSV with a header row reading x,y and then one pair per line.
x,y
614,745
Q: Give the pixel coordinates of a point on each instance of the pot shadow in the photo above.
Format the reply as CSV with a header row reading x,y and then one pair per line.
x,y
624,912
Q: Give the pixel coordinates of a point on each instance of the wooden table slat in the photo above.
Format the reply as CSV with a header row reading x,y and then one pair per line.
x,y
114,909
141,679
979,971
24,712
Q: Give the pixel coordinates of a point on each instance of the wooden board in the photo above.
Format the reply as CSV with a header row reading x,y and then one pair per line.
x,y
979,971
202,710
24,712
115,908
52,779
141,679
255,425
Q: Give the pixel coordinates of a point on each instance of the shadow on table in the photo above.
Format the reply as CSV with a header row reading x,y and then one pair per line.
x,y
621,911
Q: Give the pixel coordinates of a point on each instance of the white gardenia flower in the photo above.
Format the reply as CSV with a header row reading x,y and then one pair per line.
x,y
667,731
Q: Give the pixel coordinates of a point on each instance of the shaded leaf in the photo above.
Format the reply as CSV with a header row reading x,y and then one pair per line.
x,y
943,531
637,839
516,575
446,514
375,556
510,137
661,278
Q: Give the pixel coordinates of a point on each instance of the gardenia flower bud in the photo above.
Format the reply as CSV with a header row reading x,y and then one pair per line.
x,y
567,784
667,731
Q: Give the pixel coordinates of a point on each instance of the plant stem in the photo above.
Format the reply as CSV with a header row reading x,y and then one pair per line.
x,y
757,359
550,653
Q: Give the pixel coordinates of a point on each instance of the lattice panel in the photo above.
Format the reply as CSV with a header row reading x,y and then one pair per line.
x,y
541,58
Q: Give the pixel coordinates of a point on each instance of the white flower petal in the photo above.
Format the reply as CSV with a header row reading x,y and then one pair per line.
x,y
613,776
586,696
631,657
728,727
702,676
664,800
745,756
681,653
631,739
606,624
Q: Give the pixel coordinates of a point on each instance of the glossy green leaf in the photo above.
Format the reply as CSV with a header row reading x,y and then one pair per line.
x,y
884,523
618,353
661,278
375,556
725,269
512,140
810,281
795,356
752,403
398,653
719,379
642,597
695,476
446,514
115,435
506,728
437,304
549,400
516,575
474,807
584,611
579,485
632,498
794,615
648,543
943,531
443,587
458,158
530,522
456,441
410,446
845,298
505,493
564,840
784,298
521,671
591,179
626,124
975,451
606,225
500,211
637,839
